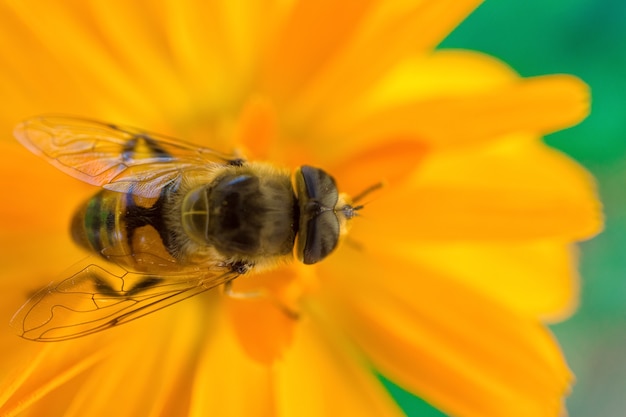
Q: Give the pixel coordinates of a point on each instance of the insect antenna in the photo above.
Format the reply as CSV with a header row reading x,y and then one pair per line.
x,y
349,210
364,194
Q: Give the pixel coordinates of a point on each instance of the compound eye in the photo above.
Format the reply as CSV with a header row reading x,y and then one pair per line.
x,y
319,228
316,185
320,238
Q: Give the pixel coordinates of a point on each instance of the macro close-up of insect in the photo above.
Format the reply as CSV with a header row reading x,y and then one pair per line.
x,y
312,208
172,220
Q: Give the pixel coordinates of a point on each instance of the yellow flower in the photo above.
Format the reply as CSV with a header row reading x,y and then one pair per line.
x,y
444,281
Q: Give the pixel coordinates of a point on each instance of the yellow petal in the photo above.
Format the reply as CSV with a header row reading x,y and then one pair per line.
x,y
468,354
459,105
443,74
519,189
536,278
323,375
536,105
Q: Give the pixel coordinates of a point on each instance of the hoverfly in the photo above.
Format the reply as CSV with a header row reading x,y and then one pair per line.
x,y
172,220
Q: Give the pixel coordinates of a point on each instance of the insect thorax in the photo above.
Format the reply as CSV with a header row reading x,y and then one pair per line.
x,y
245,213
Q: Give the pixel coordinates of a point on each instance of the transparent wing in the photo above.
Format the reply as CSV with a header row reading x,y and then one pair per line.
x,y
98,296
119,158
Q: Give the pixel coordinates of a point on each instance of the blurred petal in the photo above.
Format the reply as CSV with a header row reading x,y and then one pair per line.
x,y
505,272
257,131
151,360
440,74
214,47
391,164
263,328
24,85
129,61
323,375
79,76
42,198
471,355
300,50
364,41
34,222
40,371
443,72
228,382
476,100
540,105
516,190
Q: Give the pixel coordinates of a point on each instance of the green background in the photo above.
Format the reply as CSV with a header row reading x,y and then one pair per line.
x,y
586,38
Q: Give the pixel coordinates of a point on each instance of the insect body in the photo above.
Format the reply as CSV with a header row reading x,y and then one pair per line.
x,y
172,220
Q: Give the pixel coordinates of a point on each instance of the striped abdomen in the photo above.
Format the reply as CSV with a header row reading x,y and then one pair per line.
x,y
126,229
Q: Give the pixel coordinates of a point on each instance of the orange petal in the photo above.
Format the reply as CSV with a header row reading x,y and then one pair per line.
x,y
86,72
300,50
263,329
23,83
36,371
256,130
260,312
43,199
134,46
228,382
152,382
468,354
34,223
322,375
185,65
391,164
157,381
115,365
78,68
364,39
214,48
516,190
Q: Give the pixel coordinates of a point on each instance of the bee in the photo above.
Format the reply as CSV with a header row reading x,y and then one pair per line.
x,y
171,221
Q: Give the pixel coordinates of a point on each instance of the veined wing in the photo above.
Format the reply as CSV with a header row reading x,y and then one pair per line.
x,y
100,296
116,157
